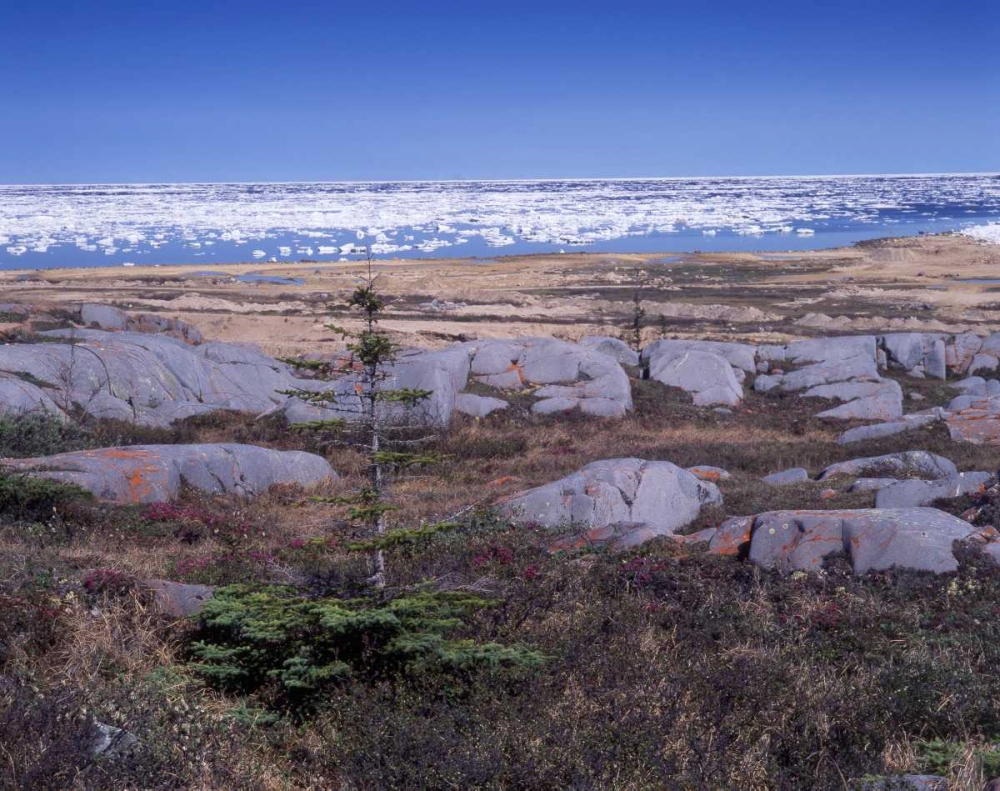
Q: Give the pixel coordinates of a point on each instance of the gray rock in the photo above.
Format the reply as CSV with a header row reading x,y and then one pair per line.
x,y
478,406
738,355
786,477
911,462
961,350
550,406
617,349
914,396
880,430
110,741
146,379
906,783
104,317
707,376
905,349
732,537
919,539
859,368
157,473
865,400
178,599
983,363
908,494
871,484
934,359
574,375
443,373
831,349
654,498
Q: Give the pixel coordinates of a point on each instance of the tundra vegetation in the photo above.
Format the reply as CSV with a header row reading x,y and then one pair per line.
x,y
390,636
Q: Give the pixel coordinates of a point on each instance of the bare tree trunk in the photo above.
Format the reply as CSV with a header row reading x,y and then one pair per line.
x,y
377,478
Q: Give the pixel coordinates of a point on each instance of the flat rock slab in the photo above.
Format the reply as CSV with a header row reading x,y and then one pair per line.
x,y
891,428
786,477
907,494
917,463
157,473
975,416
875,539
478,406
636,499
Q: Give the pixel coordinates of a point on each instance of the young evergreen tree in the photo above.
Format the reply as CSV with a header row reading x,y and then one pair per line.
x,y
635,325
375,419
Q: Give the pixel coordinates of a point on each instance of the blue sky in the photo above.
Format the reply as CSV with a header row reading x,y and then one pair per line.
x,y
218,91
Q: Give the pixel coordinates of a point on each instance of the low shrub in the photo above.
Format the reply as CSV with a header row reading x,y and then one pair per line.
x,y
251,637
29,498
23,436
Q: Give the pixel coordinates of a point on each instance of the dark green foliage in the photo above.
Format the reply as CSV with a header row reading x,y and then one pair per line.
x,y
635,327
25,497
404,537
23,436
251,637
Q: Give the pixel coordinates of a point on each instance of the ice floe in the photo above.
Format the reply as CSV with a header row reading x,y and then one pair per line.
x,y
433,216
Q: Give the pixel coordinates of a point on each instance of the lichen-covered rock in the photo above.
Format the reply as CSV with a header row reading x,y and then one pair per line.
x,y
624,500
704,472
919,539
157,473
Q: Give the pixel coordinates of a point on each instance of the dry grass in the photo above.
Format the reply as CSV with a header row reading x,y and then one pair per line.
x,y
668,667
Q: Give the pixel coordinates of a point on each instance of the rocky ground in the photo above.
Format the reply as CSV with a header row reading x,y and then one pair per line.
x,y
756,540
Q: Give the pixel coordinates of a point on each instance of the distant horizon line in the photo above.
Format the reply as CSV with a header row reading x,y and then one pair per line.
x,y
536,180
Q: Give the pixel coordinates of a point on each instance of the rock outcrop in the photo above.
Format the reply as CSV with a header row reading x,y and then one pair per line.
x,y
157,473
912,463
147,379
919,539
912,493
617,502
107,317
562,376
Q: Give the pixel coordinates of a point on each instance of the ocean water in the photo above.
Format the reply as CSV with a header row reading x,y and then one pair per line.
x,y
51,226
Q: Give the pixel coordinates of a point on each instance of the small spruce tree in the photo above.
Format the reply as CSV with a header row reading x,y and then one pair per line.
x,y
251,636
635,325
374,419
